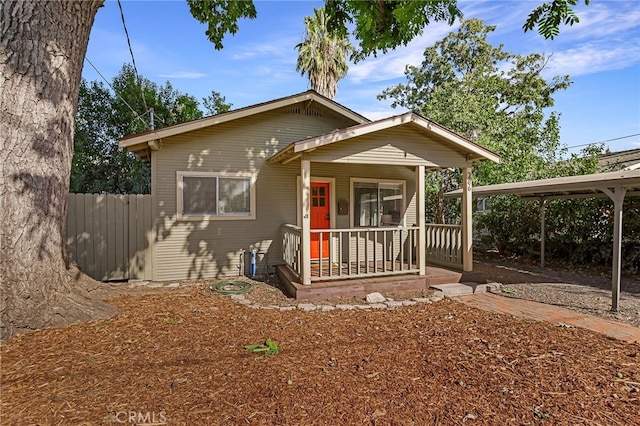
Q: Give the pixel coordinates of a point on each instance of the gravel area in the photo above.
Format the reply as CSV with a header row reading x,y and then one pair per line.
x,y
586,290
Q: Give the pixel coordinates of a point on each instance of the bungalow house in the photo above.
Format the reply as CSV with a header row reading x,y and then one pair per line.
x,y
319,191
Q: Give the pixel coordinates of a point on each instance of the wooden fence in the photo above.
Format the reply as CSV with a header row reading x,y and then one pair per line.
x,y
110,236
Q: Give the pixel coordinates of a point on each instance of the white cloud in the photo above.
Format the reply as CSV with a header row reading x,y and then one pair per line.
x,y
507,16
592,58
277,48
379,114
605,19
392,64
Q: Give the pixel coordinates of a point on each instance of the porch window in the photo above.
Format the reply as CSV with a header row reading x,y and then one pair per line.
x,y
377,203
215,196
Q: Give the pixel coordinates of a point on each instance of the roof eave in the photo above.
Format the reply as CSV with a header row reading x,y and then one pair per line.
x,y
580,184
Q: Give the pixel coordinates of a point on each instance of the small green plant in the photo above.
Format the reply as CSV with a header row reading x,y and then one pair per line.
x,y
172,320
268,348
508,290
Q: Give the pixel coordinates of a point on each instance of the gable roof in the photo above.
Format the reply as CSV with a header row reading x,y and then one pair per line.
x,y
141,140
627,160
471,150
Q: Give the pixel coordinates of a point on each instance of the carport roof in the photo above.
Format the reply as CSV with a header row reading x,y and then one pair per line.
x,y
563,187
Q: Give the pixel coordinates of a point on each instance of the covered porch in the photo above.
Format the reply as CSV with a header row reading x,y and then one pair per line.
x,y
373,260
387,234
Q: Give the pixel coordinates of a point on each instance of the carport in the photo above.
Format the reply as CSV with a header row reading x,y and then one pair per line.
x,y
615,185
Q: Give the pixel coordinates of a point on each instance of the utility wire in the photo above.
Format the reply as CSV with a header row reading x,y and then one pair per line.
x,y
608,140
117,94
133,60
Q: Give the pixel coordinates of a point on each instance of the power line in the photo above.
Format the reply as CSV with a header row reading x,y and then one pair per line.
x,y
133,59
117,94
605,141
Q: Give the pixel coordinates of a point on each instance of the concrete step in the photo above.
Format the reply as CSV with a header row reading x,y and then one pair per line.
x,y
460,289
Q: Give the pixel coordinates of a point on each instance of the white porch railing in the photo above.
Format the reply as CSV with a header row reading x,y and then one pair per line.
x,y
355,252
291,247
444,244
368,252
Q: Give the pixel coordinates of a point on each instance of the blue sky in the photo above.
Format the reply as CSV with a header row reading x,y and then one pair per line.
x,y
601,54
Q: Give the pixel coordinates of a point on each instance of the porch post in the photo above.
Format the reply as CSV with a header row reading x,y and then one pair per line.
x,y
467,221
421,249
305,244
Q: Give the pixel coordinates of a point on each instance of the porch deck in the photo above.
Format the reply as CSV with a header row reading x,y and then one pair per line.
x,y
360,287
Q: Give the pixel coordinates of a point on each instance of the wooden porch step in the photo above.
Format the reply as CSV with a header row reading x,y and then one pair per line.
x,y
460,289
360,287
437,275
287,277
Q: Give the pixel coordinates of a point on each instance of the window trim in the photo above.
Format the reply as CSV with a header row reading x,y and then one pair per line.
x,y
179,196
352,206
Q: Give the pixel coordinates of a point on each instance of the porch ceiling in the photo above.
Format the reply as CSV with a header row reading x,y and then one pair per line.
x,y
461,152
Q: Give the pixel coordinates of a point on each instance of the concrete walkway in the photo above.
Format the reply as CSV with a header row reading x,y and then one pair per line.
x,y
555,314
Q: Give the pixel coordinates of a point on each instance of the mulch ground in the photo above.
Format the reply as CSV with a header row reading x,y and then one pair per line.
x,y
177,357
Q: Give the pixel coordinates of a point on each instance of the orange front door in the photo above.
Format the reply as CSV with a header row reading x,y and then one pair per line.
x,y
320,218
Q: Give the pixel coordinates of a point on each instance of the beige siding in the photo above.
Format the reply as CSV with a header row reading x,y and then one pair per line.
x,y
211,248
399,146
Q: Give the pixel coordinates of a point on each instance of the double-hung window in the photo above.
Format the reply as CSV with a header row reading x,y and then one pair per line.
x,y
215,196
377,202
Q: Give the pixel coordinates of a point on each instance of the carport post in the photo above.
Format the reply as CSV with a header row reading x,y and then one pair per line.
x,y
543,232
617,195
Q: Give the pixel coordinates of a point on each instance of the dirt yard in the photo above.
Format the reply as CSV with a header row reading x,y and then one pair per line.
x,y
583,290
176,356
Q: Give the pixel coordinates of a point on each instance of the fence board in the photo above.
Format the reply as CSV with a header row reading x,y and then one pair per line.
x,y
109,236
102,236
89,219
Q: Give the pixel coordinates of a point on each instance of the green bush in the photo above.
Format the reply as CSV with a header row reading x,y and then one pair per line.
x,y
577,230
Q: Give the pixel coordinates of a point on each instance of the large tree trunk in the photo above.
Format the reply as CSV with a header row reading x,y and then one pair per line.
x,y
42,48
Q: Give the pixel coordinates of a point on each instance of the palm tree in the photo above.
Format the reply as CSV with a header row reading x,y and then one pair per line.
x,y
322,56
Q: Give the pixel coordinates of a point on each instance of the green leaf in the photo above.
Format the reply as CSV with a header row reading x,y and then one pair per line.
x,y
268,348
271,345
252,347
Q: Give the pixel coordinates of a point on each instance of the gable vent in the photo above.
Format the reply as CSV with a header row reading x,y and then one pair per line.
x,y
304,111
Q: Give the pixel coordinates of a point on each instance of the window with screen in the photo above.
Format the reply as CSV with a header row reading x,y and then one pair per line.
x,y
211,195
